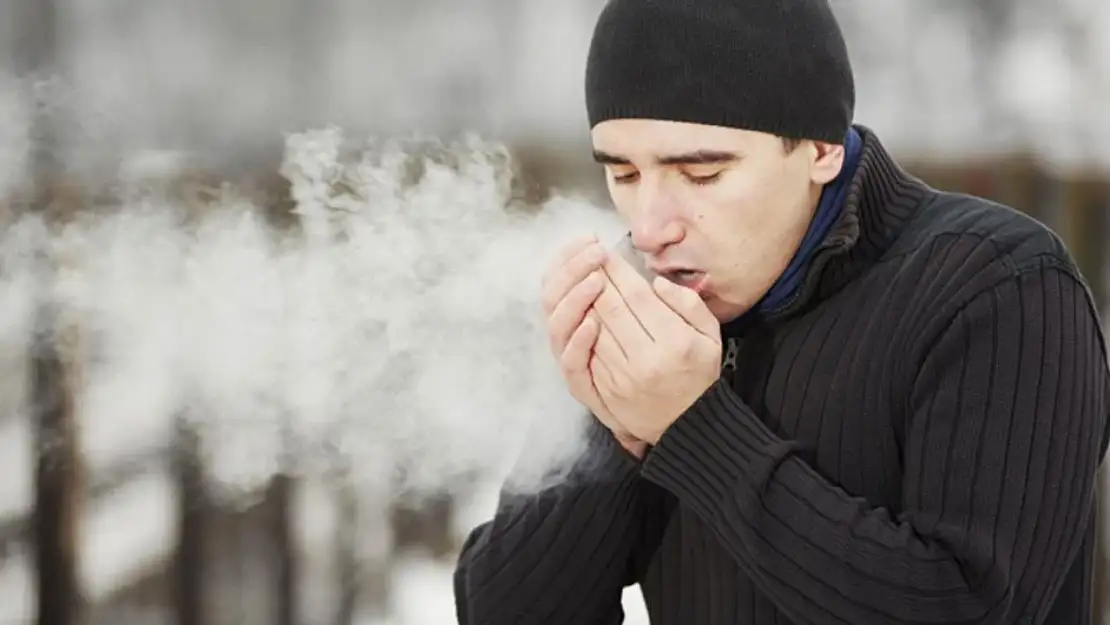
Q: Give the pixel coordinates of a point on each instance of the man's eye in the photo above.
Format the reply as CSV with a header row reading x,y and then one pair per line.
x,y
704,179
626,178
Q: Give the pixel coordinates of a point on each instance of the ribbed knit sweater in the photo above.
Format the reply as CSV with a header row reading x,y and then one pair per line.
x,y
914,439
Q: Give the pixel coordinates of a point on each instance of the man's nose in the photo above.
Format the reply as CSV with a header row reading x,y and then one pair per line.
x,y
655,225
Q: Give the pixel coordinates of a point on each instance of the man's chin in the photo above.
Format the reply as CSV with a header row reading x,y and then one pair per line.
x,y
722,310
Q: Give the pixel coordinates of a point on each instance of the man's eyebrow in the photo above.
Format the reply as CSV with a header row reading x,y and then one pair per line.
x,y
699,157
609,159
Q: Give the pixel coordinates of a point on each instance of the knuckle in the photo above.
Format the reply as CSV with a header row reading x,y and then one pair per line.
x,y
554,329
564,340
585,290
579,290
558,338
607,305
556,349
567,369
570,363
685,347
568,251
583,265
689,353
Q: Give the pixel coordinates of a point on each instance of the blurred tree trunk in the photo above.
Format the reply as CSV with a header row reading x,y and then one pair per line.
x,y
280,509
57,467
364,553
1083,226
1025,185
346,559
193,508
306,54
426,524
57,482
1085,232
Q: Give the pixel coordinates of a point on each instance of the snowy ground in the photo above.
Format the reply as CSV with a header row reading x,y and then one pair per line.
x,y
114,551
425,597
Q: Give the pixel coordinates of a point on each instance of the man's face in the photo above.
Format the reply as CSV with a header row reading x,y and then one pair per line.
x,y
720,210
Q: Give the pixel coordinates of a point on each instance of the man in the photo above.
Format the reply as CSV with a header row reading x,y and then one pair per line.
x,y
854,399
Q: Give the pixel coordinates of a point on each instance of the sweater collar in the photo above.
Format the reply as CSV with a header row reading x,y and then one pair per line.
x,y
829,208
860,215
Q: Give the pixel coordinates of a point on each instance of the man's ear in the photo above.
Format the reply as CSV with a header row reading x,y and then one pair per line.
x,y
828,160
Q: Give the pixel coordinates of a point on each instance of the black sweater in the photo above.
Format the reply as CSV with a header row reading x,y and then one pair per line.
x,y
913,440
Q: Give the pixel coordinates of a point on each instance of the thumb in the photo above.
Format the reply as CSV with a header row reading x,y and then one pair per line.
x,y
688,305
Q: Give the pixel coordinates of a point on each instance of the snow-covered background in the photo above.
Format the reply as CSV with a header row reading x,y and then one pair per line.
x,y
949,78
146,87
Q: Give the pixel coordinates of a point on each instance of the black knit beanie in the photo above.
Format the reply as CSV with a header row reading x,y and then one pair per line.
x,y
775,66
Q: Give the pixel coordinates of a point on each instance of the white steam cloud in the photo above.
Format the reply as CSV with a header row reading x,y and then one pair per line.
x,y
396,331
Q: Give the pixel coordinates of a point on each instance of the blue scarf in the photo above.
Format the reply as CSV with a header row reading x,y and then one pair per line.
x,y
829,207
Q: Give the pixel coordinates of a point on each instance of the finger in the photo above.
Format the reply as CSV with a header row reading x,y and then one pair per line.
x,y
570,312
565,274
689,306
603,379
575,357
607,348
621,322
575,362
654,316
567,252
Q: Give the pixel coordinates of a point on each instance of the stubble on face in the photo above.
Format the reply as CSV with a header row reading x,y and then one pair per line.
x,y
739,220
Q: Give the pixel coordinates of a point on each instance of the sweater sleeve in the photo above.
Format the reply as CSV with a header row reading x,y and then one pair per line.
x,y
1005,430
561,556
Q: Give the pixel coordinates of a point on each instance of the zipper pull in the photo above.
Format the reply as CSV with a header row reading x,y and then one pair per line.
x,y
731,352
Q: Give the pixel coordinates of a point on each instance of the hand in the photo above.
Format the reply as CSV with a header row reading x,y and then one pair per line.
x,y
570,286
658,350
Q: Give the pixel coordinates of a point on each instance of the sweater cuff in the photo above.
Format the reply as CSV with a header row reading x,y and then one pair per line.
x,y
605,459
718,449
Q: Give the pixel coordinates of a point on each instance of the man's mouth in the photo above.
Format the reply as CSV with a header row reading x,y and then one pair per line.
x,y
690,278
